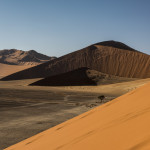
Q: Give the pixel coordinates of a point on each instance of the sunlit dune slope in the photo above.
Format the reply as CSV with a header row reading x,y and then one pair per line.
x,y
110,57
6,70
122,124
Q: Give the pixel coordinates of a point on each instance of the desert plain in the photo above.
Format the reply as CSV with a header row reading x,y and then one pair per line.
x,y
28,110
94,90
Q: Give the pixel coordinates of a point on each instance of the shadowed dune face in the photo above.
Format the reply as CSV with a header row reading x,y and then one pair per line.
x,y
106,59
72,78
120,124
82,76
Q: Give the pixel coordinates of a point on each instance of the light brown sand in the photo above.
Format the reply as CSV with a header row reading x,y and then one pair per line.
x,y
6,70
116,89
113,89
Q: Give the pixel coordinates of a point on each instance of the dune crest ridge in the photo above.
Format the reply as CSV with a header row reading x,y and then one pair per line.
x,y
122,124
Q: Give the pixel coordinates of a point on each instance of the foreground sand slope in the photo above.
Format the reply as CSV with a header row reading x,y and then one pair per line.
x,y
122,124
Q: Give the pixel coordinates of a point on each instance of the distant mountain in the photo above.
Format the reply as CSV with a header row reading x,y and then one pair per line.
x,y
109,57
19,57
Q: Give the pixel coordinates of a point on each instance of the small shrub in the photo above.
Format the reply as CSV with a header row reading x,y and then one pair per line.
x,y
101,97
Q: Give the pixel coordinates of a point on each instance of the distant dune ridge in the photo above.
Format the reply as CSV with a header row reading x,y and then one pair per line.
x,y
79,77
13,60
122,124
19,57
110,57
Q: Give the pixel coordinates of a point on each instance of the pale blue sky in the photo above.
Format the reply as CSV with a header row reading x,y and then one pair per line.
x,y
57,27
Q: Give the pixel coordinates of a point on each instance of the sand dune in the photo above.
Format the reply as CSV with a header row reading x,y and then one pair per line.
x,y
82,76
72,78
111,58
6,70
122,124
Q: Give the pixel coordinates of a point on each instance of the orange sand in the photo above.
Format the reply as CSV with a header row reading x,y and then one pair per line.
x,y
6,70
122,124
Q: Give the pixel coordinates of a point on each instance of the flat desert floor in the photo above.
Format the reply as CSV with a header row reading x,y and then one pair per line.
x,y
28,110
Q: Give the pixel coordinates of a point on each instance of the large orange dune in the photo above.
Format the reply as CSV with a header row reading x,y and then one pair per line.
x,y
122,124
